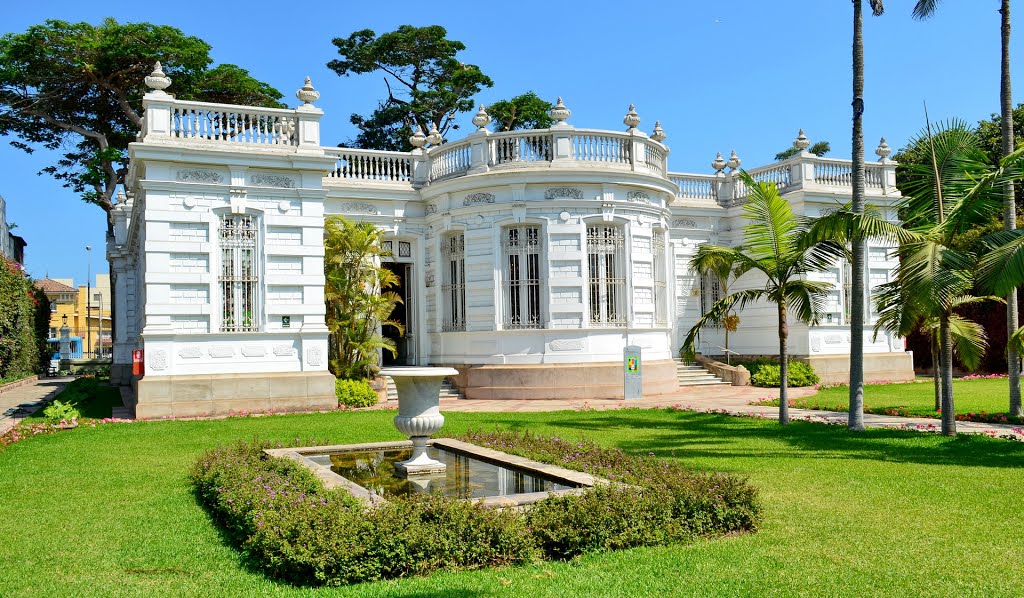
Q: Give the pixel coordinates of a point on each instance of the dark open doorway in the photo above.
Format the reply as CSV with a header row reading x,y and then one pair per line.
x,y
402,314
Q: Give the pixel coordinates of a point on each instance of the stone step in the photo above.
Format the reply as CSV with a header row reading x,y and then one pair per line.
x,y
715,382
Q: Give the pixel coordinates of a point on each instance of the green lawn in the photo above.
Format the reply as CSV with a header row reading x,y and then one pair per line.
x,y
990,395
109,511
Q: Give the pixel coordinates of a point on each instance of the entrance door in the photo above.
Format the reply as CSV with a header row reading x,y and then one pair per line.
x,y
403,314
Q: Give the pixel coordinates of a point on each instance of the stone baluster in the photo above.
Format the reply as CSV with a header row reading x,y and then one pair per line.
x,y
638,144
158,105
724,184
802,170
561,133
479,145
888,167
420,162
308,117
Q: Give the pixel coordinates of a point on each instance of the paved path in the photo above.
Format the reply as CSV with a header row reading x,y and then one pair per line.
x,y
18,403
730,399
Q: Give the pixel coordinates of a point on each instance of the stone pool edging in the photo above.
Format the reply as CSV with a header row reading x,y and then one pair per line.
x,y
332,480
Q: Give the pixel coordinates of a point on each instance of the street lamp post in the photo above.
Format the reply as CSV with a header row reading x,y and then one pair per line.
x,y
88,299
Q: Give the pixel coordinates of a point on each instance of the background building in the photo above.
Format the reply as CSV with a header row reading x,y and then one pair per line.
x,y
89,323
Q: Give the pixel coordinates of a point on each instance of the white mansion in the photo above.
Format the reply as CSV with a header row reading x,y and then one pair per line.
x,y
528,259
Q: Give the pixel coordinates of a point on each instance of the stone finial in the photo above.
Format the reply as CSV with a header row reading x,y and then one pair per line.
x,y
559,112
801,142
481,119
658,134
418,139
632,119
120,197
719,164
434,136
307,94
157,80
734,161
883,150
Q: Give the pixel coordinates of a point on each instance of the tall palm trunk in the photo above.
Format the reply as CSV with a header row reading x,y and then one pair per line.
x,y
856,417
935,370
948,409
1010,208
783,365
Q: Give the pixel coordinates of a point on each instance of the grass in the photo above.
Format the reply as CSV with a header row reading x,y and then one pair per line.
x,y
109,511
99,405
917,399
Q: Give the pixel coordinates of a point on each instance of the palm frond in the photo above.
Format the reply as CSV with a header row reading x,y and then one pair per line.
x,y
720,309
806,298
925,9
1002,269
969,340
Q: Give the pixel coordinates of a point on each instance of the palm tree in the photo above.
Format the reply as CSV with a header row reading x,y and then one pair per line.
x,y
359,298
902,315
922,10
856,417
958,190
773,245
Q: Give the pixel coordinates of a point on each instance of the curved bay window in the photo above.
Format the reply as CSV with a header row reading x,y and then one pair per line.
x,y
606,246
453,284
520,250
239,273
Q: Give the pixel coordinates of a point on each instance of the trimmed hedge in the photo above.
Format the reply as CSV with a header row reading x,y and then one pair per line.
x,y
770,375
355,393
288,524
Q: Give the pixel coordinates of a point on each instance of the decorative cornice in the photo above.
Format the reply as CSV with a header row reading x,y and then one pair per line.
x,y
273,180
563,193
684,223
475,198
194,175
354,207
639,196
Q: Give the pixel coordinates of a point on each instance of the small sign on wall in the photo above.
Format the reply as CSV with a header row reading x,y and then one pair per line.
x,y
286,321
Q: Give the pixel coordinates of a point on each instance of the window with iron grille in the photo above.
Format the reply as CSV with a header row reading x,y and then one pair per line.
x,y
660,284
606,246
453,284
520,249
239,273
710,294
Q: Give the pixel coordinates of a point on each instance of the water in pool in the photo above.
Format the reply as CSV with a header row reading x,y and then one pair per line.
x,y
465,476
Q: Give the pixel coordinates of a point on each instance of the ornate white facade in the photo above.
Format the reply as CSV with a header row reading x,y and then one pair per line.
x,y
529,259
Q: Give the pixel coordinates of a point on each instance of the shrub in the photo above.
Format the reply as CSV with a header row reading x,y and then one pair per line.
x,y
286,521
57,412
290,525
355,393
769,375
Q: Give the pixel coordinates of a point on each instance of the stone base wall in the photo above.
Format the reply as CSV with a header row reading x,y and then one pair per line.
x,y
878,367
219,394
560,381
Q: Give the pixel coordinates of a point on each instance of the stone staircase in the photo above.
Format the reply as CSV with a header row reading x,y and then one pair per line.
x,y
695,375
448,391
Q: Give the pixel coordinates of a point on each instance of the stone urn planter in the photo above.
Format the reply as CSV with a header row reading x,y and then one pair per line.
x,y
419,415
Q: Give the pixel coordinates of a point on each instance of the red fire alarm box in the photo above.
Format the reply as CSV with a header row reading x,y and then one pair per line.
x,y
137,362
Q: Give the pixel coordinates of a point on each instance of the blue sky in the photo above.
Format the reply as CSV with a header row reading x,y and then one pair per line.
x,y
741,75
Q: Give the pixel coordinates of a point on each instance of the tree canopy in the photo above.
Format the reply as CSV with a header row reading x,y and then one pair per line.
x,y
525,111
427,85
77,88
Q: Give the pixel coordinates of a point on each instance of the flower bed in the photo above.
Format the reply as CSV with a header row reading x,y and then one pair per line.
x,y
983,417
284,519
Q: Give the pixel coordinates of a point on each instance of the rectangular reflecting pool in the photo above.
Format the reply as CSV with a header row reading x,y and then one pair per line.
x,y
472,472
465,477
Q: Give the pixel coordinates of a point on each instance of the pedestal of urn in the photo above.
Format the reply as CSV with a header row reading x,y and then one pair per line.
x,y
419,415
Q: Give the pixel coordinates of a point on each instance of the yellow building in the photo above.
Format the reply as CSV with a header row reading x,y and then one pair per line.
x,y
89,322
